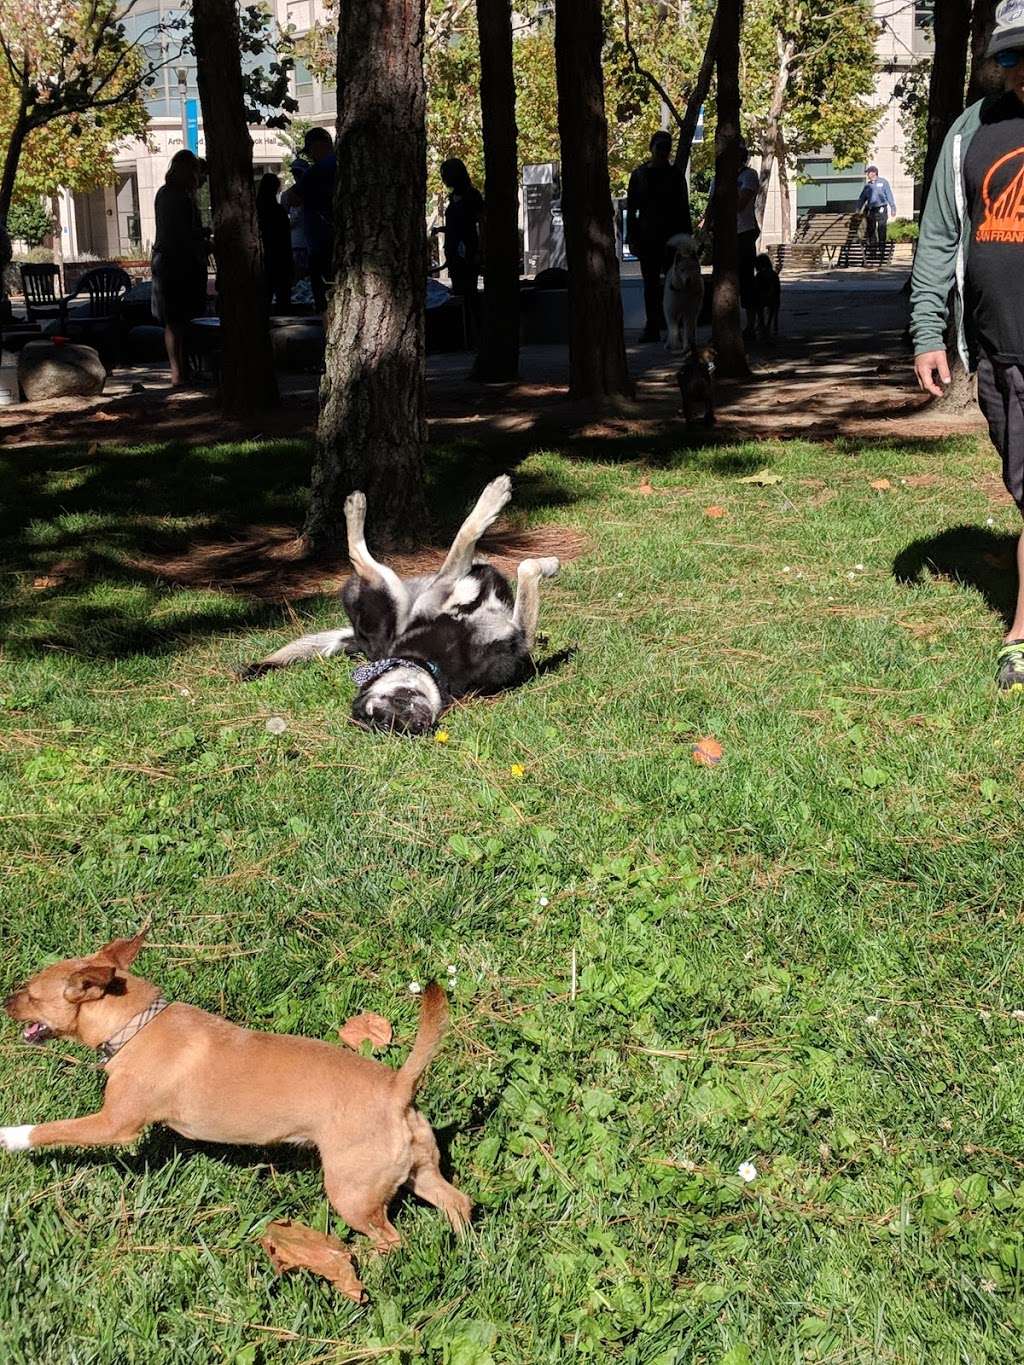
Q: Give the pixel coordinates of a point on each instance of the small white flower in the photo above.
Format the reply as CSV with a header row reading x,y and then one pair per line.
x,y
1017,1014
872,1020
747,1172
452,969
414,988
687,1165
989,1286
990,521
542,901
786,568
859,567
618,594
984,1016
945,1125
183,692
851,575
276,725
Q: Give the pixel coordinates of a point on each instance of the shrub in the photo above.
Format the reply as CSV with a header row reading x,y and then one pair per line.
x,y
903,230
29,222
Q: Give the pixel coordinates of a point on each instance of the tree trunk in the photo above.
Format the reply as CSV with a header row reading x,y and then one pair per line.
x,y
781,153
949,73
372,430
597,346
698,97
248,382
770,138
726,323
11,159
982,20
57,229
498,356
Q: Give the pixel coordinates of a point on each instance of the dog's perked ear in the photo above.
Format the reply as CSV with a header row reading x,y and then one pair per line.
x,y
89,982
122,952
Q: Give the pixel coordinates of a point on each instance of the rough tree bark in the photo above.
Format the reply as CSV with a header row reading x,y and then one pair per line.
x,y
786,44
945,105
597,347
981,81
372,430
247,363
726,323
784,191
12,156
498,356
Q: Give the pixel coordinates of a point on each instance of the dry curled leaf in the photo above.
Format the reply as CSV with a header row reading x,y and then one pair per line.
x,y
715,512
363,1027
293,1246
46,581
646,488
707,751
101,416
763,477
881,485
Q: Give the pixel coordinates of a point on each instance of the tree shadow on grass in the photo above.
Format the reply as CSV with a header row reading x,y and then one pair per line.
x,y
972,556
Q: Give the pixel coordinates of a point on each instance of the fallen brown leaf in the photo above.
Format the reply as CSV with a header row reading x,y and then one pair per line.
x,y
708,752
646,488
361,1027
716,512
293,1246
881,485
763,478
101,416
46,581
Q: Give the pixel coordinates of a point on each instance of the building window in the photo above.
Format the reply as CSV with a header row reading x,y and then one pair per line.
x,y
822,188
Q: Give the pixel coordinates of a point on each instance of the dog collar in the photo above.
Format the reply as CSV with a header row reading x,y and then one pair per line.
x,y
135,1025
368,673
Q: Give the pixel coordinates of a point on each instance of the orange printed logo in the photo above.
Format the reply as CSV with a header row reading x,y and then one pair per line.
x,y
1004,213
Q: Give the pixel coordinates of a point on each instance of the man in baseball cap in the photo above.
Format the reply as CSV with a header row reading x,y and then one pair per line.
x,y
1008,33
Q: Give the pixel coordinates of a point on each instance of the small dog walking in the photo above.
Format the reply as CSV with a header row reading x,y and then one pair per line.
x,y
767,297
696,380
212,1081
429,640
684,293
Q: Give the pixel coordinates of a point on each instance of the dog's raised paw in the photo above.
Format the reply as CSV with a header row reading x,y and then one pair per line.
x,y
550,566
495,496
355,505
16,1138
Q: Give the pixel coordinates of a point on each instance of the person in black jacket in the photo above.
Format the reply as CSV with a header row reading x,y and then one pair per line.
x,y
276,237
657,207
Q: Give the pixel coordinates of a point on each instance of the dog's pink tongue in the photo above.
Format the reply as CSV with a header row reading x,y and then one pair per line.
x,y
34,1033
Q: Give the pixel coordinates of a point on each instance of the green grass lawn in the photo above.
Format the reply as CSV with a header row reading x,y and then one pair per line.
x,y
808,958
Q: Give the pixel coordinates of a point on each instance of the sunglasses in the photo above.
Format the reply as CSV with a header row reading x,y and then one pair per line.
x,y
1008,60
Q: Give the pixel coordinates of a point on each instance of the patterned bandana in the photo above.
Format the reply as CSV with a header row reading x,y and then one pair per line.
x,y
368,673
135,1025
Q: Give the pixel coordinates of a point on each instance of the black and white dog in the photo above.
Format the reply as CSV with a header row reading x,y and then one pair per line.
x,y
432,639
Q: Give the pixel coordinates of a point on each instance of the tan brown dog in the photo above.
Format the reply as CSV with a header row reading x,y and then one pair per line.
x,y
210,1080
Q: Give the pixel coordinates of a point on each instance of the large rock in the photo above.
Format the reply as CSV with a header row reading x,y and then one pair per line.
x,y
60,369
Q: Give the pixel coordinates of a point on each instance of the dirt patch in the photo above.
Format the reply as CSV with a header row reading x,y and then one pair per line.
x,y
269,563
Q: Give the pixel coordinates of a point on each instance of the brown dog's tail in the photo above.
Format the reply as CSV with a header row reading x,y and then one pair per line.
x,y
429,1036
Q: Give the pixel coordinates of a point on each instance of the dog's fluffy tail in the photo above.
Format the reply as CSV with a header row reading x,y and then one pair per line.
x,y
429,1036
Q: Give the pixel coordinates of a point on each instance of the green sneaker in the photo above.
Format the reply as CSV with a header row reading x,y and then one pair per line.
x,y
1010,667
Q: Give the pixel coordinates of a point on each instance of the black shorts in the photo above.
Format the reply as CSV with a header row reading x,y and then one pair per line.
x,y
1001,399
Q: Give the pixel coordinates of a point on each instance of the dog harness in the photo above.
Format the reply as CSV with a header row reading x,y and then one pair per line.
x,y
368,673
117,1040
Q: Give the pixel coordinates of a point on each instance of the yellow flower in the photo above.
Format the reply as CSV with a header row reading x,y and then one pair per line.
x,y
517,770
441,737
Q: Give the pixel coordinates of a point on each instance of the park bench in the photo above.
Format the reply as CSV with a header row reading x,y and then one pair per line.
x,y
835,238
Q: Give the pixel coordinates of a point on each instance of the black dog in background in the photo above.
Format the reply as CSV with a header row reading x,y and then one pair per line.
x,y
767,297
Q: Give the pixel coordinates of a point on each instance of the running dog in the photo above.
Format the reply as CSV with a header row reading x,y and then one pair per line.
x,y
684,293
696,380
212,1081
433,639
767,297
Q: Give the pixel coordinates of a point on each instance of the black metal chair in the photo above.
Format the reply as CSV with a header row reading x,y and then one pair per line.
x,y
106,286
39,285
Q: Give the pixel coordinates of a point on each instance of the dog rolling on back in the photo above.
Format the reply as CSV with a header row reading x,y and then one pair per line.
x,y
696,380
767,297
684,293
433,639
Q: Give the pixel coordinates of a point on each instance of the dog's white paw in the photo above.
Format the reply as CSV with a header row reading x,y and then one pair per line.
x,y
16,1138
494,497
549,567
355,505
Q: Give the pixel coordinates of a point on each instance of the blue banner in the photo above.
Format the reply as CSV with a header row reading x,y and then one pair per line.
x,y
192,126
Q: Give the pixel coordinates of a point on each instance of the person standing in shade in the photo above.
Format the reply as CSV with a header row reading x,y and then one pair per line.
x,y
180,256
276,239
463,223
971,247
748,182
876,202
315,192
657,207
